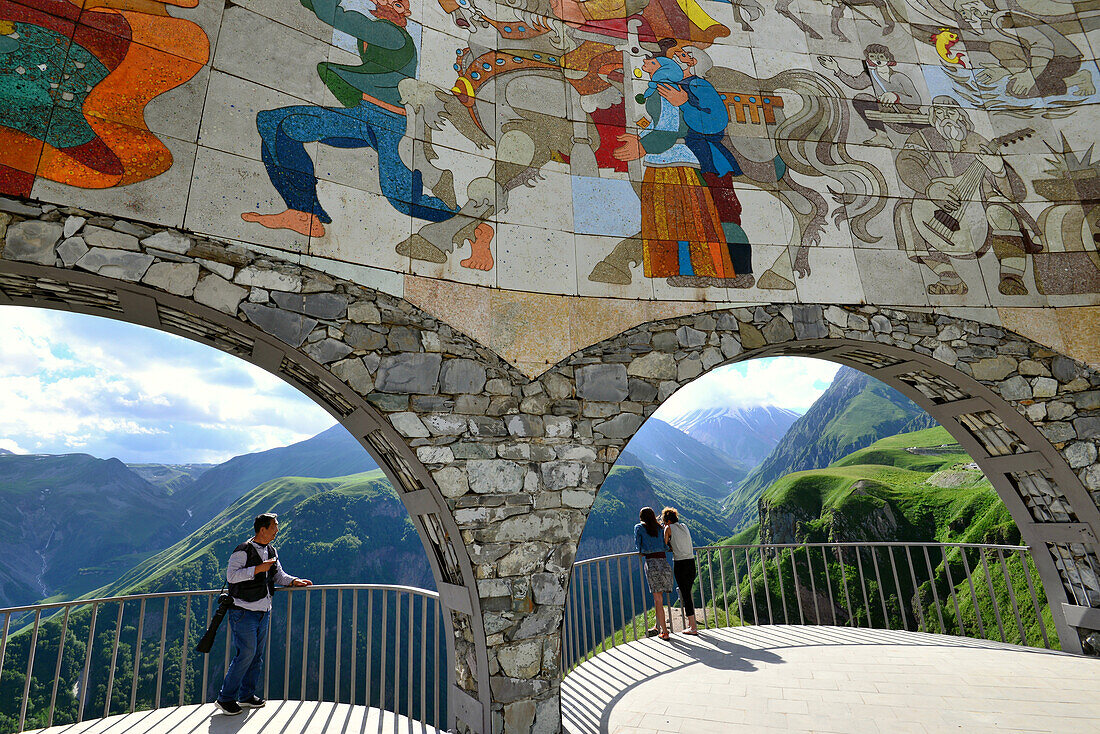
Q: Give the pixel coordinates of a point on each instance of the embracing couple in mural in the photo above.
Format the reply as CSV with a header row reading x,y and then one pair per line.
x,y
691,217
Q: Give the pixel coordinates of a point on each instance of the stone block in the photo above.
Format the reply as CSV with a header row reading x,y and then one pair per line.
x,y
495,476
72,225
169,241
547,588
1080,453
1064,369
558,426
452,482
435,454
519,716
524,560
505,690
33,242
580,499
317,305
364,312
602,382
217,292
120,264
110,239
524,425
403,339
361,336
269,278
1015,388
442,424
1044,387
690,338
623,425
1087,427
993,369
689,369
809,322
328,350
462,376
71,250
655,366
751,338
558,475
355,374
522,660
286,326
1089,400
778,330
177,278
409,373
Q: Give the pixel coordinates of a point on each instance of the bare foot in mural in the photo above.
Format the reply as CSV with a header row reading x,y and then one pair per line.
x,y
292,219
481,257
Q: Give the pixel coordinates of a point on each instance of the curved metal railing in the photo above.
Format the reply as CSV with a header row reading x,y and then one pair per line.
x,y
371,644
972,590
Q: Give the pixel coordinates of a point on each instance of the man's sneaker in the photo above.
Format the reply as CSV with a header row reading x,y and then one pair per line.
x,y
254,702
229,708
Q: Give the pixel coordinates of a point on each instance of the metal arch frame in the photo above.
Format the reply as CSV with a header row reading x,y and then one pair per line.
x,y
138,305
1043,456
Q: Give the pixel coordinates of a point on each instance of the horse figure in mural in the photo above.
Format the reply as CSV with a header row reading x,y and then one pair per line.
x,y
541,89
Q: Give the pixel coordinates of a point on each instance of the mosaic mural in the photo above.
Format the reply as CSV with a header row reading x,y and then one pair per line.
x,y
909,152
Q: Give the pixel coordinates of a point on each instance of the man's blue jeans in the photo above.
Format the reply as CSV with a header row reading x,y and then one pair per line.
x,y
249,639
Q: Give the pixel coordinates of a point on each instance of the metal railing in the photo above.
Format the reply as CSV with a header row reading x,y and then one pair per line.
x,y
971,590
376,645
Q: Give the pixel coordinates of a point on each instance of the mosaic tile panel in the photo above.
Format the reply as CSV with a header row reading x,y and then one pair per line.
x,y
897,152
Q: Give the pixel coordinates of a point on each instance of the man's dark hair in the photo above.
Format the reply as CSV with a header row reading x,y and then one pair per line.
x,y
878,48
264,521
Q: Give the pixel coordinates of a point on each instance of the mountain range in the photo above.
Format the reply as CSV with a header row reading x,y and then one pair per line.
x,y
746,434
73,523
853,412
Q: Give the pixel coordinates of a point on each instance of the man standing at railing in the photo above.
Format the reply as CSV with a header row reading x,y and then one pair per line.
x,y
254,572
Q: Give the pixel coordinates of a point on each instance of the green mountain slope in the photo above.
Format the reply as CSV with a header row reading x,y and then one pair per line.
x,y
335,530
914,487
72,522
701,469
333,453
852,413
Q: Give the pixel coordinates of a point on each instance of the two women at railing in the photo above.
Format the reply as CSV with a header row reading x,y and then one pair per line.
x,y
652,539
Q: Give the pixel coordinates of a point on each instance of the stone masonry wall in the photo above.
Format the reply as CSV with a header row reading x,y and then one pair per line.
x,y
518,462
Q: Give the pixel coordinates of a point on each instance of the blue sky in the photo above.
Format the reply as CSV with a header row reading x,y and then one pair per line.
x,y
81,384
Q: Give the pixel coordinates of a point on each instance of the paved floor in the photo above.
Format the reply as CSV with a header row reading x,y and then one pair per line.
x,y
823,679
278,717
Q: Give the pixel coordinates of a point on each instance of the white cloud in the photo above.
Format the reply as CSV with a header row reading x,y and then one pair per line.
x,y
81,383
787,382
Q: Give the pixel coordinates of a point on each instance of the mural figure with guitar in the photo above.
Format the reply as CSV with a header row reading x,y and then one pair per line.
x,y
967,201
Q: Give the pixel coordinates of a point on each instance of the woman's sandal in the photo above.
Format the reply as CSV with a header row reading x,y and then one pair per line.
x,y
663,635
652,632
694,633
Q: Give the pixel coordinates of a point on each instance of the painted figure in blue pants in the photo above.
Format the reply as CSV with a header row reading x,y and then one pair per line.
x,y
371,116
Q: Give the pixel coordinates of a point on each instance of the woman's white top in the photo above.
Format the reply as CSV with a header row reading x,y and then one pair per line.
x,y
680,540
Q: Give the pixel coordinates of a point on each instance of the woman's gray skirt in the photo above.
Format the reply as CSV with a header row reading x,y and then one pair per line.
x,y
659,575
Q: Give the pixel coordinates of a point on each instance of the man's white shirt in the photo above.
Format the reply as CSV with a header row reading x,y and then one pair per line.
x,y
239,572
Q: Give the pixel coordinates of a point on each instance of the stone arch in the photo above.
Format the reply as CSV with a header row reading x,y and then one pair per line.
x,y
268,342
1029,417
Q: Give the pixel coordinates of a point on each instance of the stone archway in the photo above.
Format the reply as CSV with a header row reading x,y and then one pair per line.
x,y
211,310
499,471
1028,416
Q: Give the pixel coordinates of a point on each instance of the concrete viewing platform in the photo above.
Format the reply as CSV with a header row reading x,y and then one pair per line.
x,y
829,679
277,717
